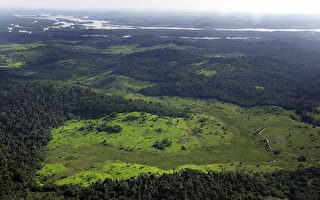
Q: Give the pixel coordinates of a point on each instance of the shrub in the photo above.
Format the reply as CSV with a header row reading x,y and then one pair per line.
x,y
131,118
159,130
163,144
109,129
302,159
277,152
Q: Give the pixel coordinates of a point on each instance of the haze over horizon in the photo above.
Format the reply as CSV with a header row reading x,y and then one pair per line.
x,y
220,6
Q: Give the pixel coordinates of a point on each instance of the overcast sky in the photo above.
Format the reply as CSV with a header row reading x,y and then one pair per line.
x,y
222,6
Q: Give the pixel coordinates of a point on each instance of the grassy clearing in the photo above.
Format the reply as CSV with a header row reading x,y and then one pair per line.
x,y
128,49
114,170
285,133
116,83
6,62
143,131
19,47
86,149
90,153
66,70
121,49
206,72
116,49
122,170
11,64
218,136
200,63
161,46
259,88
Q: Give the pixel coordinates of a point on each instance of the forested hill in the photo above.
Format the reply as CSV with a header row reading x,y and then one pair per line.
x,y
165,56
248,73
244,80
29,108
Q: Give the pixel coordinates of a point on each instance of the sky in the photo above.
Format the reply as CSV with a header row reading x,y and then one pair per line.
x,y
220,6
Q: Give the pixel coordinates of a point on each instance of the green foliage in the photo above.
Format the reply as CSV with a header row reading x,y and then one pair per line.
x,y
161,145
109,129
277,152
302,159
193,184
131,118
206,72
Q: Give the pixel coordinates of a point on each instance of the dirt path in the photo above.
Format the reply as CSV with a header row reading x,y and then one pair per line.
x,y
267,139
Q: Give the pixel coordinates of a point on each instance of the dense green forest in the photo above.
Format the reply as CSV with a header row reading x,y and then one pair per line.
x,y
242,80
192,184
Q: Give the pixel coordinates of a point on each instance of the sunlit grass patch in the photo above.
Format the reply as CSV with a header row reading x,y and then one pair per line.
x,y
121,49
9,63
49,169
217,136
259,88
144,131
19,47
117,170
206,72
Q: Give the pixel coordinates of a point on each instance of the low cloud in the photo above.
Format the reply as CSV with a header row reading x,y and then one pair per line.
x,y
222,6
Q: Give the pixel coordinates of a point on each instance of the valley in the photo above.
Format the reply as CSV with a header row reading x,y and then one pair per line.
x,y
202,141
108,105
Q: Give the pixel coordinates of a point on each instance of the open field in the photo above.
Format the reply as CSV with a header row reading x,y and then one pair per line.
x,y
7,58
18,47
6,62
218,136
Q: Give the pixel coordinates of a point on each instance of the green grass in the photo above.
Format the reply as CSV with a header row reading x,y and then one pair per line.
x,y
200,63
11,64
118,49
18,47
111,169
206,72
218,136
116,83
161,46
89,155
259,88
139,135
246,122
65,70
6,62
121,49
121,170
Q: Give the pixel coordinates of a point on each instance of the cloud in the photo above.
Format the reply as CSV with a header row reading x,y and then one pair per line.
x,y
224,6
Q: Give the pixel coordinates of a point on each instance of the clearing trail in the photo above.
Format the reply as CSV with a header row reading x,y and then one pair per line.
x,y
267,139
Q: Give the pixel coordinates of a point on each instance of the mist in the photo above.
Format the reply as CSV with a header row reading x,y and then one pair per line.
x,y
217,6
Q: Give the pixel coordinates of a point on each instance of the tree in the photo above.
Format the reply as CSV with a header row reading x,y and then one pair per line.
x,y
302,159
